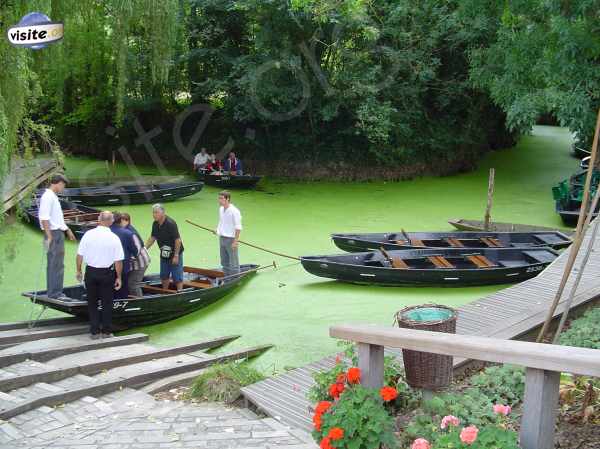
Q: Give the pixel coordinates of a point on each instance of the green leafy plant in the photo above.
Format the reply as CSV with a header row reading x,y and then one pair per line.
x,y
222,383
365,422
489,437
501,384
584,332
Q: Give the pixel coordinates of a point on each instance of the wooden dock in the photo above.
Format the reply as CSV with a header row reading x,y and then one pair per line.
x,y
56,362
512,313
23,177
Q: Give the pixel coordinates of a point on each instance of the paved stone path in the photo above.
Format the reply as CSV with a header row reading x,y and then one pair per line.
x,y
131,419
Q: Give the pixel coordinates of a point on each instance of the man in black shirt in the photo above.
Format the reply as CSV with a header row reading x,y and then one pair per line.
x,y
166,233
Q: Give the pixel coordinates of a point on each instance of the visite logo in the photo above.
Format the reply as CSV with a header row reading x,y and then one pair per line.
x,y
35,31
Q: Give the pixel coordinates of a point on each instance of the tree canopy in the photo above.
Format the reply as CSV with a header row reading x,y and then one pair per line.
x,y
387,83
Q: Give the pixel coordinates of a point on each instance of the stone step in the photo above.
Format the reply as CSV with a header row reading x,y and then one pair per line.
x,y
40,323
46,349
12,337
92,362
126,376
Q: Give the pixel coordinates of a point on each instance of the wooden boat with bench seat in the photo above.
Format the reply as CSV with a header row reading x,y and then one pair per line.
x,y
227,181
77,217
443,267
130,193
201,287
416,240
463,224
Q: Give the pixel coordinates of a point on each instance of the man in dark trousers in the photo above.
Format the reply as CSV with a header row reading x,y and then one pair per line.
x,y
166,233
102,253
129,250
52,222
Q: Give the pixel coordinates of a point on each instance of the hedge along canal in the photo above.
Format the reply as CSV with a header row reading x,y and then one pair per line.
x,y
288,307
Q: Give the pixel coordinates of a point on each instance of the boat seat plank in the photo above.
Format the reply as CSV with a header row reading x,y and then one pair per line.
x,y
492,242
205,272
152,289
417,242
541,256
399,263
197,284
454,242
440,262
481,261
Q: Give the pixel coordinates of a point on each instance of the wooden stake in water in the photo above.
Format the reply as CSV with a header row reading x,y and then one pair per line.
x,y
584,219
490,196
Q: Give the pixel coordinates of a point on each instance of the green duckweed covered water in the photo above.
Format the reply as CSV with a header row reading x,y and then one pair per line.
x,y
289,307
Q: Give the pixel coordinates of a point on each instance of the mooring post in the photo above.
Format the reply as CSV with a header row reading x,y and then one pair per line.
x,y
370,362
540,407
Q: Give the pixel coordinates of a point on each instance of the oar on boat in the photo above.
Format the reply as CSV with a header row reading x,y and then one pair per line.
x,y
245,243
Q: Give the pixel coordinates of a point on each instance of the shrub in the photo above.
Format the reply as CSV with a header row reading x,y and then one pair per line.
x,y
501,384
222,383
584,332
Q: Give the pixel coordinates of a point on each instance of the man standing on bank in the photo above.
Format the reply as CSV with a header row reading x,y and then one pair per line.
x,y
103,255
230,226
166,233
52,222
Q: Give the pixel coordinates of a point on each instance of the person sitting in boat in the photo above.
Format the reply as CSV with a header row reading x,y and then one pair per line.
x,y
130,251
214,166
201,160
140,263
233,165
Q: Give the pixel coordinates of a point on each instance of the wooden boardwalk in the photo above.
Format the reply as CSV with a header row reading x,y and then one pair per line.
x,y
510,313
24,176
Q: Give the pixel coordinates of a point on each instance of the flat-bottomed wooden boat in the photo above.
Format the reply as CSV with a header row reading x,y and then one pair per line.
x,y
77,217
463,224
202,287
230,181
449,267
416,240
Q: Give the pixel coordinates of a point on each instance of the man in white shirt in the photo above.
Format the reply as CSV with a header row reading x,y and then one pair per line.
x,y
52,222
230,226
201,160
102,252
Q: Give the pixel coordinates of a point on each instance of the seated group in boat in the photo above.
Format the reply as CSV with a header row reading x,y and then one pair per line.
x,y
205,163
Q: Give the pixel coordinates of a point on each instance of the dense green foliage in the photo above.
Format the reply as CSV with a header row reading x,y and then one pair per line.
x,y
584,332
544,60
222,383
426,85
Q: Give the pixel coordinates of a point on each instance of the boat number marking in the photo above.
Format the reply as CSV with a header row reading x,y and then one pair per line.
x,y
323,265
120,304
533,269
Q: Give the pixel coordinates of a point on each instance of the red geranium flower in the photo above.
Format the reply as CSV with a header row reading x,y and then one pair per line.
x,y
353,375
326,443
322,407
341,378
336,389
388,393
317,421
336,433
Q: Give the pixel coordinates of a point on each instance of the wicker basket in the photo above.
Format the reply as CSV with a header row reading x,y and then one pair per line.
x,y
423,369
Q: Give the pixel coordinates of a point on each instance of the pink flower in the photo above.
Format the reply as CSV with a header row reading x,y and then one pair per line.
x,y
449,420
469,434
421,443
500,409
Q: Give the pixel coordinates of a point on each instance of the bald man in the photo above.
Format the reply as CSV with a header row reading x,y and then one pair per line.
x,y
102,252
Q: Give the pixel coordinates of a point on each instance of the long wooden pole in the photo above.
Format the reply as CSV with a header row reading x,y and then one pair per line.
x,y
583,218
582,266
490,197
245,243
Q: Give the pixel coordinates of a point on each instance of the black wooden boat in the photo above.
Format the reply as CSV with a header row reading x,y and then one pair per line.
x,y
569,212
77,217
448,267
580,152
463,224
230,181
201,288
416,240
130,194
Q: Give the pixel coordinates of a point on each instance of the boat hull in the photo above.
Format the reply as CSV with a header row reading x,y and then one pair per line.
x,y
476,225
230,181
78,228
374,241
147,310
120,195
343,269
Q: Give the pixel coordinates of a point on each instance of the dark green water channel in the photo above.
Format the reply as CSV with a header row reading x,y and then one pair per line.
x,y
288,307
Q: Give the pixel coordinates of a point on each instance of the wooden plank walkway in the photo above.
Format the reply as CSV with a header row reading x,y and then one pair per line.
x,y
24,176
510,313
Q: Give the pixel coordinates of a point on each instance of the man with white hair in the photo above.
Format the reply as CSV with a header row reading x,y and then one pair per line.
x,y
103,255
166,233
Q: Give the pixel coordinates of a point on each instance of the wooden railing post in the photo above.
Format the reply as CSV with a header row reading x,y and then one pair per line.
x,y
370,362
540,407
